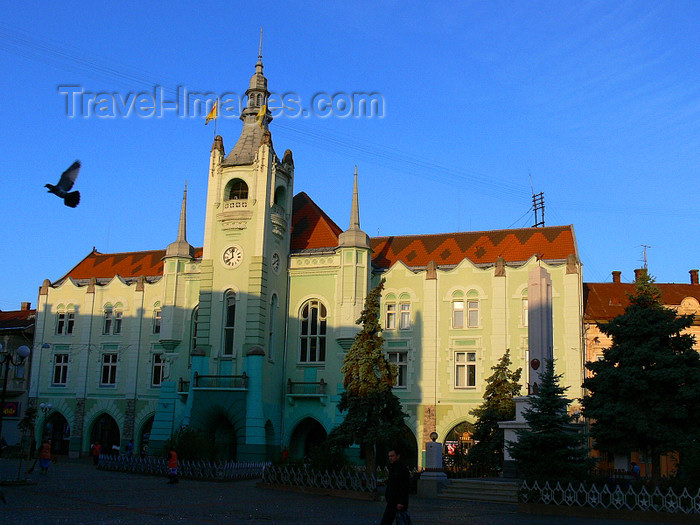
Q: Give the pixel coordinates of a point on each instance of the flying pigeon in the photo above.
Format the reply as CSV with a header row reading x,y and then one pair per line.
x,y
65,184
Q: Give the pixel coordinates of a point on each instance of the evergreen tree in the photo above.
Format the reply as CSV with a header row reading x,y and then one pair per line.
x,y
551,448
645,391
374,414
498,405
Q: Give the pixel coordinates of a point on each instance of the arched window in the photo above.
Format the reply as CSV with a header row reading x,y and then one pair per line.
x,y
271,328
404,312
473,309
156,318
458,310
313,332
229,321
108,319
65,319
280,194
390,311
260,99
239,190
195,319
118,314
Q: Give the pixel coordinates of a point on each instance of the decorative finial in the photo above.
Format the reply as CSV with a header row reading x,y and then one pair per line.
x,y
260,49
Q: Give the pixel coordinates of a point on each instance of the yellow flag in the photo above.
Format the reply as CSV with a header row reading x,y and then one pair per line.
x,y
213,113
261,115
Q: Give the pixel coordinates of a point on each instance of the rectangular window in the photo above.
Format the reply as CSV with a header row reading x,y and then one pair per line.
x,y
400,359
465,369
109,370
525,313
390,316
60,369
473,313
117,323
457,314
70,322
405,319
156,321
60,323
158,370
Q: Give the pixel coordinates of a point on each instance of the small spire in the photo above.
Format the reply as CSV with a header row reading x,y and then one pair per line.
x,y
354,236
260,48
355,209
182,228
181,248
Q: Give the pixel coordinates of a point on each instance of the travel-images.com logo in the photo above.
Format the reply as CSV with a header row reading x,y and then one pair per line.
x,y
193,104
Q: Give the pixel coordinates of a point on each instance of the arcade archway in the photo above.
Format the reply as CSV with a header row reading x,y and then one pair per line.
x,y
457,444
57,430
106,431
306,437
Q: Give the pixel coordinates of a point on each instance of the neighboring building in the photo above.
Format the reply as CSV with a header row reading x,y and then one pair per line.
x,y
16,329
605,301
244,338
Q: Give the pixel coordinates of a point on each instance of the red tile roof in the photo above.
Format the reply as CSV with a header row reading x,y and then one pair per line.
x,y
311,227
128,264
556,242
17,319
605,301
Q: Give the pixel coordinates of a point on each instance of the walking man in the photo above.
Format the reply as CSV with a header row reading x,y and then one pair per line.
x,y
397,486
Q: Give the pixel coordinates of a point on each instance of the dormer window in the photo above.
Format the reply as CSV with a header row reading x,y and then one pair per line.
x,y
239,190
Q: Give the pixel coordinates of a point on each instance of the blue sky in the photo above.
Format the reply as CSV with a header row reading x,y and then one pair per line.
x,y
598,103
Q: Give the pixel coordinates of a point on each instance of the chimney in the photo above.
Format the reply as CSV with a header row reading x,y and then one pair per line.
x,y
693,277
28,306
616,276
638,273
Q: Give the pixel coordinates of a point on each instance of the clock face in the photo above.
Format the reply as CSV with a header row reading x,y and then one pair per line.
x,y
232,256
276,262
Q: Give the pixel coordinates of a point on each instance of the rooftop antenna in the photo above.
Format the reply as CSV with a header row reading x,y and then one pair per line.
x,y
644,254
538,206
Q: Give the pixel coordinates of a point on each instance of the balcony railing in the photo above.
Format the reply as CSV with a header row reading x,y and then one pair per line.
x,y
217,381
308,388
183,387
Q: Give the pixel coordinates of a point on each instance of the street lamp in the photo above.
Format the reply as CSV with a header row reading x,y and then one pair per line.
x,y
7,359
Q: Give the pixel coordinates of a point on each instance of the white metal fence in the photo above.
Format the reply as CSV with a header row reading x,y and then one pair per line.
x,y
203,470
304,476
619,498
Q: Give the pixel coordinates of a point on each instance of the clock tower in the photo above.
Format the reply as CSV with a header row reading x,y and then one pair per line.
x,y
246,245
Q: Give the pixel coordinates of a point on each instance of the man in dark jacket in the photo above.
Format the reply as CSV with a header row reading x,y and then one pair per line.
x,y
397,486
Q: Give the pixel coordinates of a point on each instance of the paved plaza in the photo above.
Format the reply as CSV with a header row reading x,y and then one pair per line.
x,y
74,492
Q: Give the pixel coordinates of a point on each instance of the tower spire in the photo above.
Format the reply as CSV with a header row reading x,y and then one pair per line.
x,y
181,248
260,48
355,209
354,236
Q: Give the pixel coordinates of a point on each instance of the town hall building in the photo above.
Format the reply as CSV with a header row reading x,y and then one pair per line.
x,y
243,339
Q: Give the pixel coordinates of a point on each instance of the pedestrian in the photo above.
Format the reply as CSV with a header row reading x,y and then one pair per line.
x,y
96,449
636,471
45,456
130,447
172,467
285,455
397,487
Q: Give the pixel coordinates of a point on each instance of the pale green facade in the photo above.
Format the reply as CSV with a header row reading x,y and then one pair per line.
x,y
273,324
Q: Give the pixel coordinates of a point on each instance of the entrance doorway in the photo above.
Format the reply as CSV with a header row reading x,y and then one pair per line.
x,y
106,431
57,430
